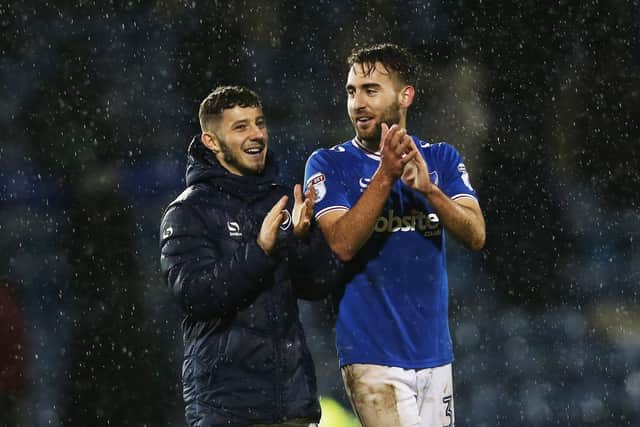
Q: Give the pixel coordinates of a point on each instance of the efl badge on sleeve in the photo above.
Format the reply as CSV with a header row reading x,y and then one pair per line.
x,y
318,182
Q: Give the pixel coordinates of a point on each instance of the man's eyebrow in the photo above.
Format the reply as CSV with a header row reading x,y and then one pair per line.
x,y
365,86
246,121
240,122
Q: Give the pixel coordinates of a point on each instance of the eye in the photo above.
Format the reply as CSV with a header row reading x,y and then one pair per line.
x,y
240,127
351,91
371,91
261,123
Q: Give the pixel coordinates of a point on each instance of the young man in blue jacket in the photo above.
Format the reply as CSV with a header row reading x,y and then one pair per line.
x,y
237,255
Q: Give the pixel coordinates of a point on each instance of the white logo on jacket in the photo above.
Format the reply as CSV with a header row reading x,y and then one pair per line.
x,y
234,229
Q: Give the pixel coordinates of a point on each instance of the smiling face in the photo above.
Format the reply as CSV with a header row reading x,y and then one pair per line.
x,y
375,96
239,139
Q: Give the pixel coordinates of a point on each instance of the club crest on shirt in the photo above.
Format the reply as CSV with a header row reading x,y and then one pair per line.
x,y
433,177
287,220
464,175
318,182
364,183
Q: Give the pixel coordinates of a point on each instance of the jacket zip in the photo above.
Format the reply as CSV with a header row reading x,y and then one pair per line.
x,y
277,360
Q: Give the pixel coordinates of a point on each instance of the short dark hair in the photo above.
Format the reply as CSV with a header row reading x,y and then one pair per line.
x,y
225,97
393,57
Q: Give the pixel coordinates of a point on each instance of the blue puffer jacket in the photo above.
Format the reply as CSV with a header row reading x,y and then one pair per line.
x,y
245,356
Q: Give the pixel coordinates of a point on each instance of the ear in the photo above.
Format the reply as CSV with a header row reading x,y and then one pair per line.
x,y
406,96
210,141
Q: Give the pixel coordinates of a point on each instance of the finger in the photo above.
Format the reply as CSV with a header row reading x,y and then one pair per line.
x,y
413,147
272,223
395,139
311,197
386,141
305,216
409,157
383,135
279,206
308,209
297,194
385,129
310,194
409,173
276,211
410,142
402,142
408,145
392,136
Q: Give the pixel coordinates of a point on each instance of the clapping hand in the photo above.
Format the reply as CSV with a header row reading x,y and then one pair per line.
x,y
302,210
416,171
271,224
395,151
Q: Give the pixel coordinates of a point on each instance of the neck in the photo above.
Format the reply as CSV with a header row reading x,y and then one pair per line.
x,y
369,144
373,144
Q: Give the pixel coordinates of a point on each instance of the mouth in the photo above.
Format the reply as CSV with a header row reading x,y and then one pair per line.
x,y
364,121
254,150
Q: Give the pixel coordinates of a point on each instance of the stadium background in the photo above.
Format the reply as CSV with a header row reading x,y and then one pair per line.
x,y
98,101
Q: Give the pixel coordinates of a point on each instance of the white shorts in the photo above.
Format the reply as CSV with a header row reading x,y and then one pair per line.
x,y
384,396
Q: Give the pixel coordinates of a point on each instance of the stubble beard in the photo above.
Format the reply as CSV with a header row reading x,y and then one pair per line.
x,y
232,160
390,116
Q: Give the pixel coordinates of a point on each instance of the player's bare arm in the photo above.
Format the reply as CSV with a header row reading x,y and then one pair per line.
x,y
461,217
347,231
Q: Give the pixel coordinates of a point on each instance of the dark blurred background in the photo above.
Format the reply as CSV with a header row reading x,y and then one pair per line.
x,y
98,101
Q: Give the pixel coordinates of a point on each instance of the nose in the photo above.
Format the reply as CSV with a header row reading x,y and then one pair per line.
x,y
358,101
258,132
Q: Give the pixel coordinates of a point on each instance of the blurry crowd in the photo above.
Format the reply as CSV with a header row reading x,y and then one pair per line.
x,y
98,101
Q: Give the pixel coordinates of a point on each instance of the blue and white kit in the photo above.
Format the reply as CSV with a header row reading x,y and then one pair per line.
x,y
394,310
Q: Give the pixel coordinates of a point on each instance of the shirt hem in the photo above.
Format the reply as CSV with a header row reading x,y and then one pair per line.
x,y
464,196
330,209
412,364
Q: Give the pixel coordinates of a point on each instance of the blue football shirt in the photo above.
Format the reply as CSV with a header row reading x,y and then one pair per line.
x,y
394,310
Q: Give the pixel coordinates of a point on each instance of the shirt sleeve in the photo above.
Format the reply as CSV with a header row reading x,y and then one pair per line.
x,y
326,179
455,181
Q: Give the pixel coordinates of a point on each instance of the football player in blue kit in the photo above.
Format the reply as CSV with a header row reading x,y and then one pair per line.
x,y
384,201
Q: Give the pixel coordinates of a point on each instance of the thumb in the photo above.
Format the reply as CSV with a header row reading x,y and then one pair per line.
x,y
278,207
383,134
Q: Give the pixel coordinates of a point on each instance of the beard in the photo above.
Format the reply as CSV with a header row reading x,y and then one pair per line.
x,y
390,116
231,159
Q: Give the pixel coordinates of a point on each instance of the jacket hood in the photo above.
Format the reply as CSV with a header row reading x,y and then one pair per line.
x,y
203,167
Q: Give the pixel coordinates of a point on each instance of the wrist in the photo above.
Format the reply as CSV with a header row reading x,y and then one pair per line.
x,y
383,178
263,245
301,234
429,190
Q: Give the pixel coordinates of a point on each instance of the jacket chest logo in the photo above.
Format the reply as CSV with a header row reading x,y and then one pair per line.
x,y
234,229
